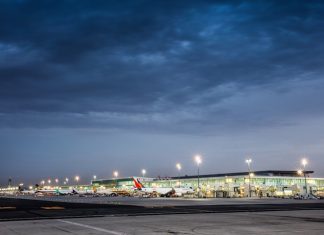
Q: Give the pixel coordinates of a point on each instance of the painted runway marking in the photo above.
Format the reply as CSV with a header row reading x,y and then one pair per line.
x,y
7,207
52,207
92,227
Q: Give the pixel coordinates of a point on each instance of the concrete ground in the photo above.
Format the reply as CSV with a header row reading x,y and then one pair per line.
x,y
155,202
62,207
276,222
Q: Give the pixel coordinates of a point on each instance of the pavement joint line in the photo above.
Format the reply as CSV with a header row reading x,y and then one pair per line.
x,y
51,218
53,207
7,207
92,227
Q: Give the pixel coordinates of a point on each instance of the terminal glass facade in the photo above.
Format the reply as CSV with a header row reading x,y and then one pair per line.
x,y
229,186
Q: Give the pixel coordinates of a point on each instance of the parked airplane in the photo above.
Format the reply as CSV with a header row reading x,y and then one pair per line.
x,y
54,192
105,192
182,191
27,192
163,191
84,192
65,192
160,191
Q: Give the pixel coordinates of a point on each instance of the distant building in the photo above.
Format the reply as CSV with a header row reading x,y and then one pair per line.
x,y
239,184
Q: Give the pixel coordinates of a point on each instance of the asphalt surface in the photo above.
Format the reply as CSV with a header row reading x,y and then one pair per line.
x,y
14,209
162,201
254,223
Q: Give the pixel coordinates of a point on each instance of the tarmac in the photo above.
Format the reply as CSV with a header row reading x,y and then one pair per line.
x,y
119,215
275,222
162,201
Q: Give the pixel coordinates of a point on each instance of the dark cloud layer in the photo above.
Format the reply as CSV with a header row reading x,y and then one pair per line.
x,y
156,64
93,86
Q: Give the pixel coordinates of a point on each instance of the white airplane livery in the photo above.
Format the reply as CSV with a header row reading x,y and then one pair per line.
x,y
83,192
54,191
182,191
162,191
48,192
105,192
80,192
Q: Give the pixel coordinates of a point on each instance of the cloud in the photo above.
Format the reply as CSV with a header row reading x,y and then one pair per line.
x,y
176,66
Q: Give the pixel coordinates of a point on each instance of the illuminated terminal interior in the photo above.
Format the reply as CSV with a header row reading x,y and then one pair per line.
x,y
241,184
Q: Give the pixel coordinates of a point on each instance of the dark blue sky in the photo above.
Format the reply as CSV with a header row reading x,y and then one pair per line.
x,y
87,87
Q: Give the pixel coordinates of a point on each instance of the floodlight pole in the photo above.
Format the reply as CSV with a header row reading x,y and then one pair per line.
x,y
304,162
248,161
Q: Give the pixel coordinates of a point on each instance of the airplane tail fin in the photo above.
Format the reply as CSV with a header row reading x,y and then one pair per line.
x,y
137,183
74,191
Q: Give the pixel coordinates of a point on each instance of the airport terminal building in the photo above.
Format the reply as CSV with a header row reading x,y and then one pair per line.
x,y
241,184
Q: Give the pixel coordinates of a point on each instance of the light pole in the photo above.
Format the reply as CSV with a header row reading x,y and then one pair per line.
x,y
248,162
116,175
304,162
77,178
198,161
178,165
67,180
143,173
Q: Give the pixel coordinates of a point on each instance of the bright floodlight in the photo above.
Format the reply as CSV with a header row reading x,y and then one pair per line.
x,y
30,187
43,182
77,178
178,165
304,162
116,174
94,177
248,161
299,172
49,181
251,174
56,180
198,159
67,179
143,172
